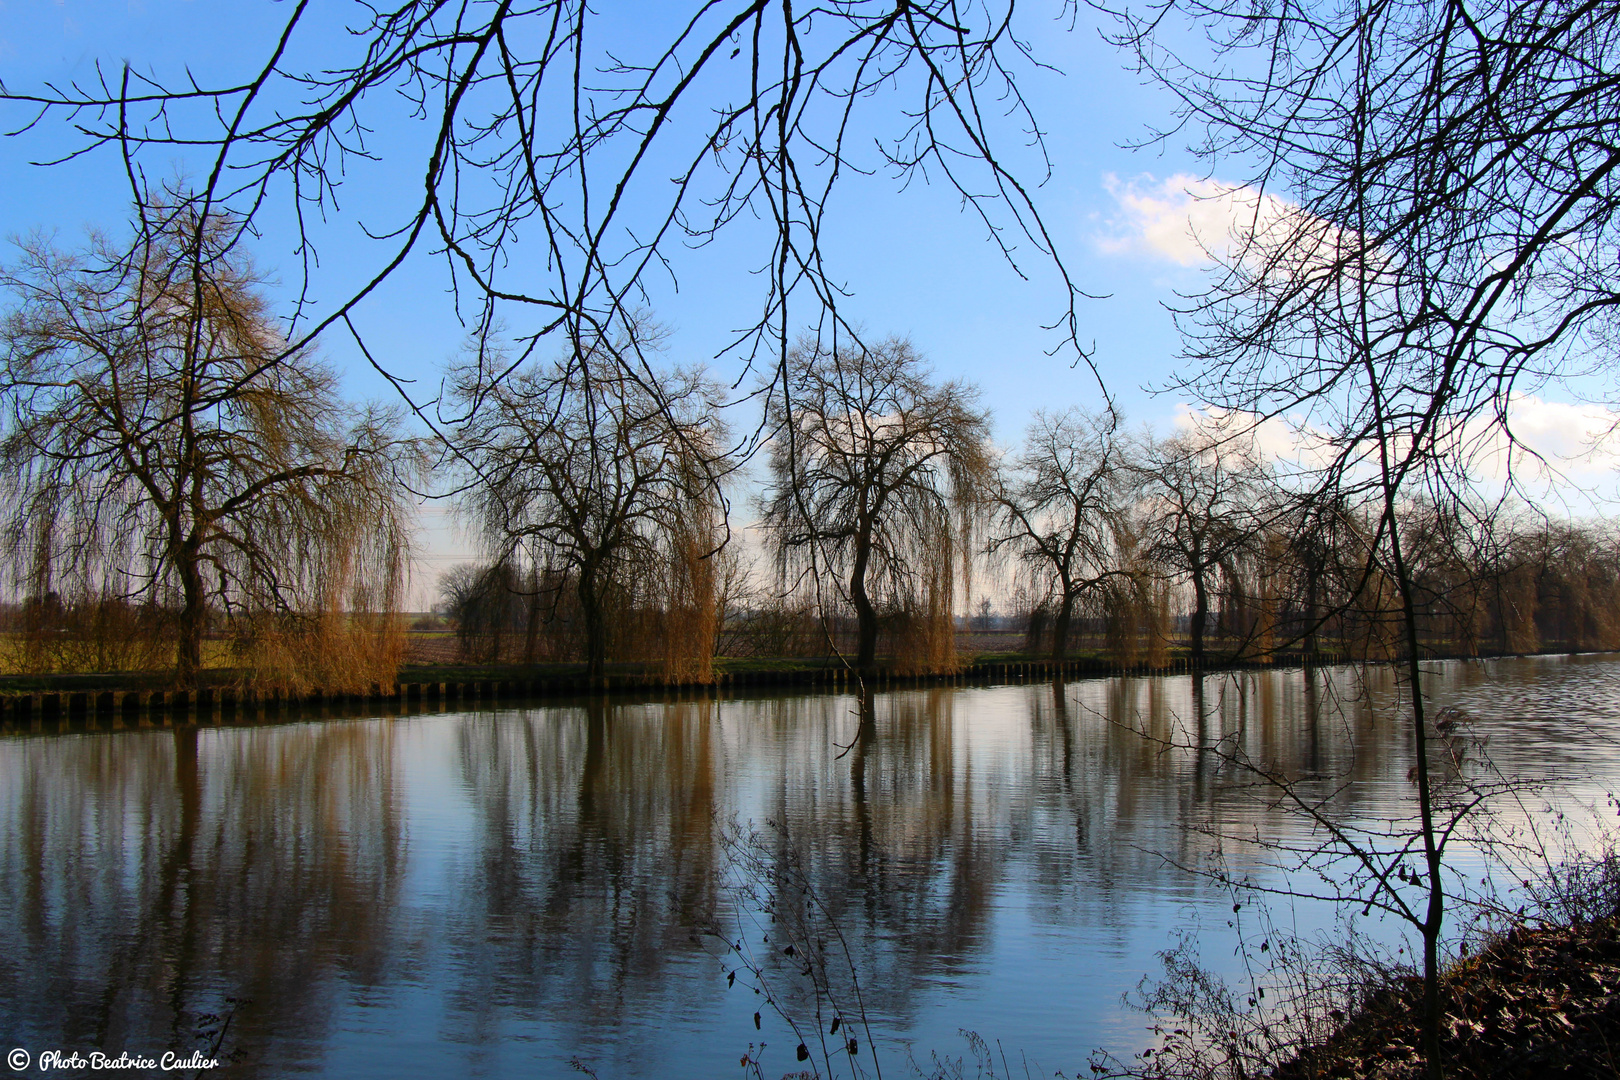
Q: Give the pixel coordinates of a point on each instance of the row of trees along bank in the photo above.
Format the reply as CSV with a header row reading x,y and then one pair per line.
x,y
178,478
886,500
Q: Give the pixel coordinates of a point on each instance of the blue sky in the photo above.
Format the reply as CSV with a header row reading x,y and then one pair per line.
x,y
915,263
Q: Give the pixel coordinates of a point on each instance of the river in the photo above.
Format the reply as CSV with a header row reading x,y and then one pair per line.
x,y
502,893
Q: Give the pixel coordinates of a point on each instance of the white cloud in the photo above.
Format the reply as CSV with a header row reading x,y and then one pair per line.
x,y
1574,441
1275,439
1564,454
1194,221
1185,218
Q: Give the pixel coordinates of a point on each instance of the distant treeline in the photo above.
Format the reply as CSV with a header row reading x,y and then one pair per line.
x,y
1518,585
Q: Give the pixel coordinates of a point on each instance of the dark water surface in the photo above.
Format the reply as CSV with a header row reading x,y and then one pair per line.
x,y
497,893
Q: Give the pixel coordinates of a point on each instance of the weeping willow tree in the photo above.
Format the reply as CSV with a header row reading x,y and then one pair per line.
x,y
164,448
1554,584
597,471
876,472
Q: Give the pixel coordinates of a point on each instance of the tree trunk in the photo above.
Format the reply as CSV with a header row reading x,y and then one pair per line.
x,y
590,607
531,634
193,613
1234,618
1060,628
1312,587
1434,916
865,613
1200,615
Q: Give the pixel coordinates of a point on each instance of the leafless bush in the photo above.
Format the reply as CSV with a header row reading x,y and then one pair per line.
x,y
789,948
1583,888
774,626
1291,994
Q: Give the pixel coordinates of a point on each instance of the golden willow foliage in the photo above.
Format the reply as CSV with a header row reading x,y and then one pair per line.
x,y
922,626
1482,583
1135,606
1502,585
876,477
595,484
174,470
689,616
330,650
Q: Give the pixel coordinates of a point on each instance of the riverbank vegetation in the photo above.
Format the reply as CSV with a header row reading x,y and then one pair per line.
x,y
173,474
183,478
1531,992
178,497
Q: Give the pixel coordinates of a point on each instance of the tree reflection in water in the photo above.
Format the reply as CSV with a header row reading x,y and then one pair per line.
x,y
592,835
500,891
157,873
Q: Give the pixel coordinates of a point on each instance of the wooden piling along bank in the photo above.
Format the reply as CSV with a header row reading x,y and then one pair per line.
x,y
112,709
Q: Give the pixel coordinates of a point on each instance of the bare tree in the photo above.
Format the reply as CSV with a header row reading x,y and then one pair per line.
x,y
160,441
874,471
1325,541
1446,172
1202,491
576,469
541,126
486,603
1063,510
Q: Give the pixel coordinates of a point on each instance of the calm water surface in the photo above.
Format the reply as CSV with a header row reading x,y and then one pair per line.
x,y
499,893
